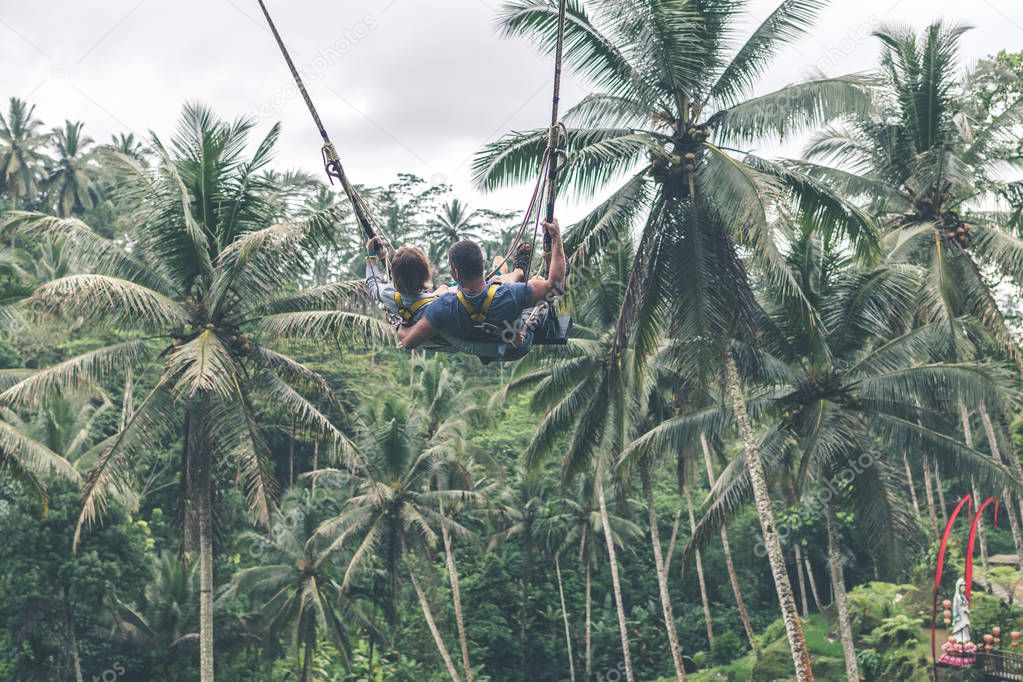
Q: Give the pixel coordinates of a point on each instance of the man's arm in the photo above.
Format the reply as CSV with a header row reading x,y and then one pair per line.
x,y
414,336
554,283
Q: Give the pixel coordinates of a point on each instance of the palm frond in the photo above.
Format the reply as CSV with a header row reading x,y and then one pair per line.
x,y
73,375
103,298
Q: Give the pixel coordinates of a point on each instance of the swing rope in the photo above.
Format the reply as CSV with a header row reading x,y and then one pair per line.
x,y
552,161
331,160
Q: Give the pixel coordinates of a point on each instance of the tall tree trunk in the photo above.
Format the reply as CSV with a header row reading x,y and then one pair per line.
x,y
705,600
964,417
802,580
762,500
456,598
929,494
202,465
912,486
672,541
589,617
941,495
316,459
69,624
996,452
616,585
527,581
813,585
307,659
428,616
662,579
838,584
726,549
291,454
564,617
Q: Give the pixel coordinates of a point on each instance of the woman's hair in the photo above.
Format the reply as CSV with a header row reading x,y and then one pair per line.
x,y
411,270
466,257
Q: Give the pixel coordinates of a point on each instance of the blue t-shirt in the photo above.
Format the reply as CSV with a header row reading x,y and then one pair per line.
x,y
447,315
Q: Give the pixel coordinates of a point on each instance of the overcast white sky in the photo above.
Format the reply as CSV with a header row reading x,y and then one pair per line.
x,y
402,85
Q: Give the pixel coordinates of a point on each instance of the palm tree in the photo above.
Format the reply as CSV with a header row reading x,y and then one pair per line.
x,y
71,183
393,514
836,402
166,623
21,156
454,221
205,289
930,172
295,583
26,457
674,100
569,386
577,526
449,410
126,144
522,510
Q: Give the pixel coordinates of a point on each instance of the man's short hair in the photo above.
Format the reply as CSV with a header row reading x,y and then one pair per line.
x,y
466,256
410,269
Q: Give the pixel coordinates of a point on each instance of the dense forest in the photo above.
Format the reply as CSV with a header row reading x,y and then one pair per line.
x,y
783,376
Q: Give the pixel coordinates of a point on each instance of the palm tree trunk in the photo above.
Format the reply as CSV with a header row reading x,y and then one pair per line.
x,y
564,617
291,454
527,581
428,616
316,458
762,499
838,584
912,486
1017,539
964,416
672,541
941,495
813,585
662,578
616,585
802,580
307,660
726,549
456,598
707,619
69,624
202,465
589,617
929,493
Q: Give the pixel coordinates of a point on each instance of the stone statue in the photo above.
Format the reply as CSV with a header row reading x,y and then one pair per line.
x,y
961,613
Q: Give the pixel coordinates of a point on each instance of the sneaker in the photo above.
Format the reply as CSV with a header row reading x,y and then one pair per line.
x,y
523,256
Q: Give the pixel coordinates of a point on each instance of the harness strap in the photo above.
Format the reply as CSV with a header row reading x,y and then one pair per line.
x,y
408,312
479,315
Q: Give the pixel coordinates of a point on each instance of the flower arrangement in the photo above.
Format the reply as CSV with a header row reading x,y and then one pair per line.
x,y
958,654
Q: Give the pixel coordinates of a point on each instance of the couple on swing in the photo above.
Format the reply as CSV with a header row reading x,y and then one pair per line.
x,y
475,315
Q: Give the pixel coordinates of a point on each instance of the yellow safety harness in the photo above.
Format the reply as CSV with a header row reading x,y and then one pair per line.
x,y
408,312
479,315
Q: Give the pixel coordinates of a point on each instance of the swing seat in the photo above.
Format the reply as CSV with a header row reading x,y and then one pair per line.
x,y
553,330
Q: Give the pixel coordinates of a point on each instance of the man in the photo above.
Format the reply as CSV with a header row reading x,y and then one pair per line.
x,y
410,294
477,301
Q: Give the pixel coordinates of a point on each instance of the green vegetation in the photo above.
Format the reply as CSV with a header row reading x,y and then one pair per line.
x,y
783,376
